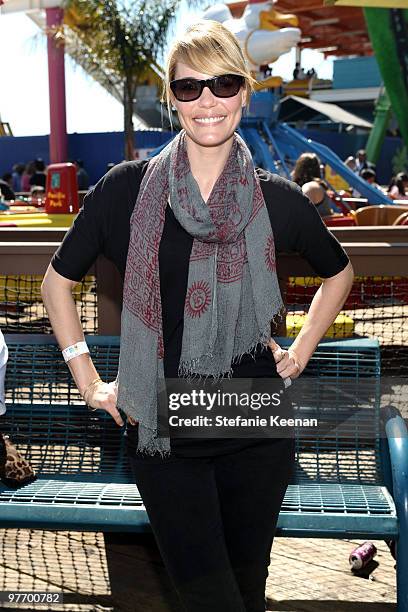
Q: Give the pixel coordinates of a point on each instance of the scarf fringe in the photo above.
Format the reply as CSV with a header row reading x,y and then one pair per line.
x,y
149,444
188,369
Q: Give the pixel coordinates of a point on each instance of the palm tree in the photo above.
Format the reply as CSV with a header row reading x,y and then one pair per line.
x,y
120,42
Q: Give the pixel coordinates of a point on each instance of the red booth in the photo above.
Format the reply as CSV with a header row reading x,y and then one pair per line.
x,y
61,189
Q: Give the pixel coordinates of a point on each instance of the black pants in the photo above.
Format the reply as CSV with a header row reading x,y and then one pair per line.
x,y
214,519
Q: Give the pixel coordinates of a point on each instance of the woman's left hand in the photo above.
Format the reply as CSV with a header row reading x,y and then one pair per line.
x,y
287,362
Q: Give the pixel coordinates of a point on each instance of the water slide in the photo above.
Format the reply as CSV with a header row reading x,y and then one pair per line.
x,y
277,146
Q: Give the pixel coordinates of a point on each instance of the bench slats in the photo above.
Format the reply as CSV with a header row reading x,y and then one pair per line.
x,y
92,506
81,460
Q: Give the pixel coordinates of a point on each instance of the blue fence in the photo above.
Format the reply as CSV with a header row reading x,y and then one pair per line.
x,y
96,150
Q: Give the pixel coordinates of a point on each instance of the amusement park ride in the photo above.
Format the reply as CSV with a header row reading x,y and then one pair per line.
x,y
266,30
265,34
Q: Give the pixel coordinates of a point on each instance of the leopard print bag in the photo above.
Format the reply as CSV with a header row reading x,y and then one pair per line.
x,y
15,471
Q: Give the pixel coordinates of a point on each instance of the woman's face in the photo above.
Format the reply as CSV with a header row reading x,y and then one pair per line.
x,y
225,113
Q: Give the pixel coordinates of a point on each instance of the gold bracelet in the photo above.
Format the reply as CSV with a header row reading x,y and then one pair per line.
x,y
88,388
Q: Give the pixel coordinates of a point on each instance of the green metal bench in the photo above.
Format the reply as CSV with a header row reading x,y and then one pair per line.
x,y
354,488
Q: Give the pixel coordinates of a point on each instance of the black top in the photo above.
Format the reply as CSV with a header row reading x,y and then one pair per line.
x,y
39,179
83,179
103,226
6,191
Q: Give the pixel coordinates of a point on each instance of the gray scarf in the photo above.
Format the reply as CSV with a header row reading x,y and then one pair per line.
x,y
232,291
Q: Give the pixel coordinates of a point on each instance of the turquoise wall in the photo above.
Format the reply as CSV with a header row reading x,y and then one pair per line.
x,y
356,72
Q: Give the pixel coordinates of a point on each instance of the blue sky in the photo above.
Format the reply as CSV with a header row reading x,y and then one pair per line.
x,y
24,81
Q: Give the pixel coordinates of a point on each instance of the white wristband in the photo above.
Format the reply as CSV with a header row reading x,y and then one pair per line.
x,y
79,348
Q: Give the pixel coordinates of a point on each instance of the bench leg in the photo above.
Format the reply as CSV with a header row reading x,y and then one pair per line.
x,y
397,436
402,569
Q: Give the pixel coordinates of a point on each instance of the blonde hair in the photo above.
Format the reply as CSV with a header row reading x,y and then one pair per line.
x,y
209,47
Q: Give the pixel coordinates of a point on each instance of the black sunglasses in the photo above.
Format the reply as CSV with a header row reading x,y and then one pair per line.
x,y
224,86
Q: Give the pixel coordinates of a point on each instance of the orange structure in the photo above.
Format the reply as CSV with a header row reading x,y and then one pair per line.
x,y
339,31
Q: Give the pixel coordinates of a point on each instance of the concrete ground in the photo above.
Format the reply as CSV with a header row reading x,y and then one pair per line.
x,y
125,573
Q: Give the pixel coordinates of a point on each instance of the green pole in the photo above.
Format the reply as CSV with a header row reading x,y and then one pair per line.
x,y
385,48
383,113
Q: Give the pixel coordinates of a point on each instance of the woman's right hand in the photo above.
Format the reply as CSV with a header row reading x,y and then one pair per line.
x,y
103,396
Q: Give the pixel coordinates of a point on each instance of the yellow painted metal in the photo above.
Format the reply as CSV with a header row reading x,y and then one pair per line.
x,y
335,180
316,281
305,281
343,326
27,289
37,219
272,81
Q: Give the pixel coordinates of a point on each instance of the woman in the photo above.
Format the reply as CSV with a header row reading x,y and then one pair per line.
x,y
26,177
39,177
193,232
307,175
398,188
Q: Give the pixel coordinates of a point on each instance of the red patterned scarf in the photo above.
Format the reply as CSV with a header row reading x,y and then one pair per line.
x,y
233,292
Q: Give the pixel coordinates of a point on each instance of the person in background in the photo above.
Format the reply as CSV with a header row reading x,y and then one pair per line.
x,y
316,192
6,188
26,176
350,162
307,174
307,168
37,192
369,176
398,187
298,73
40,176
82,176
361,161
17,174
3,205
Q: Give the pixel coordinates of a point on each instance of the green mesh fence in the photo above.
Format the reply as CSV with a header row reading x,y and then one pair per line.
x,y
22,309
377,307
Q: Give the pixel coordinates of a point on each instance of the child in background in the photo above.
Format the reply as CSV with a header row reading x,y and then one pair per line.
x,y
398,189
